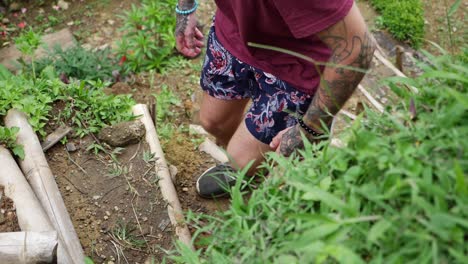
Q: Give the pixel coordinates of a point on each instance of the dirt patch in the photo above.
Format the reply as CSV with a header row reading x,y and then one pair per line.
x,y
8,219
114,202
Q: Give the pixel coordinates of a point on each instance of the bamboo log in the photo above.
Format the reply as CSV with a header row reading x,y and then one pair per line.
x,y
213,150
31,216
28,247
166,185
42,181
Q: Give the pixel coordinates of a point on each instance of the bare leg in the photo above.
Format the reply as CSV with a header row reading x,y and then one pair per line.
x,y
243,148
221,117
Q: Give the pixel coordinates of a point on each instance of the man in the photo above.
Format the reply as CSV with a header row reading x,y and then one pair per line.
x,y
290,96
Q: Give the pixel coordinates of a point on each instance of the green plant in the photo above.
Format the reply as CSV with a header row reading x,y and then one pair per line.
x,y
403,18
123,232
27,43
8,140
149,39
396,193
83,64
165,99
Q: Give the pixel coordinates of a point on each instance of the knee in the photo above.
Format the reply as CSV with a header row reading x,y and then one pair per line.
x,y
211,125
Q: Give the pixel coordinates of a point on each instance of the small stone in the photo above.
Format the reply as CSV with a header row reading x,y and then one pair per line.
x,y
63,4
108,213
111,22
68,188
110,262
103,256
71,23
96,197
48,30
116,208
185,189
106,217
145,219
70,147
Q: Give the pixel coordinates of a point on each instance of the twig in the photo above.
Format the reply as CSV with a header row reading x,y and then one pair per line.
x,y
111,190
371,99
76,164
136,153
78,189
138,222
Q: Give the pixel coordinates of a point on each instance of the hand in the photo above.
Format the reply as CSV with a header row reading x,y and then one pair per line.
x,y
189,39
287,141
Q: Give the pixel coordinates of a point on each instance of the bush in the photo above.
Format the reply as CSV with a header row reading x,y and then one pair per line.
x,y
397,193
403,18
149,40
82,64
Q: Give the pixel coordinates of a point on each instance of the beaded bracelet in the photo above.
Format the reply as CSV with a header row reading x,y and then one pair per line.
x,y
187,12
308,129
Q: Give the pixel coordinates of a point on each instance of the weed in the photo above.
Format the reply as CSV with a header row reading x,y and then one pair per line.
x,y
27,43
149,40
80,63
396,193
8,140
117,170
164,100
148,156
123,232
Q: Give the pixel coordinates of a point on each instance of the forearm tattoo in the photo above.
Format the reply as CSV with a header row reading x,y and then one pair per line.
x,y
182,20
337,84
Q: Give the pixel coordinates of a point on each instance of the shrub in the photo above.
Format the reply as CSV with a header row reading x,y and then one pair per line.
x,y
397,193
149,35
82,64
403,18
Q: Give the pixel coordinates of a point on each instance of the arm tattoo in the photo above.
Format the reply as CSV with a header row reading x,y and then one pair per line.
x,y
337,85
182,20
291,141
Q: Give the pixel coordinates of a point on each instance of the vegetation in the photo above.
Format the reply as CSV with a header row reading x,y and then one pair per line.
x,y
84,103
403,18
82,64
397,193
149,40
8,140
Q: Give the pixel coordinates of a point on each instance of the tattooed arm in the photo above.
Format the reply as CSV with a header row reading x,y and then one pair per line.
x,y
189,38
353,46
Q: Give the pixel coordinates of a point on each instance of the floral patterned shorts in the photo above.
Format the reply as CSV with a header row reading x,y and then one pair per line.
x,y
275,104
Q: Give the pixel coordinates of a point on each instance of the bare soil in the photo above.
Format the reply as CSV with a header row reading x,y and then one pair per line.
x,y
8,219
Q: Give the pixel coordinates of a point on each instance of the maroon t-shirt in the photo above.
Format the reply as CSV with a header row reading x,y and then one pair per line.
x,y
288,24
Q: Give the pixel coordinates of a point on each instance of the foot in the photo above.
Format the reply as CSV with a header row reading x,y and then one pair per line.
x,y
216,181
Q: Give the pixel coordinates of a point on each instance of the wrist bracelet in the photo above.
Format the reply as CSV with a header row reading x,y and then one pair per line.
x,y
308,129
187,12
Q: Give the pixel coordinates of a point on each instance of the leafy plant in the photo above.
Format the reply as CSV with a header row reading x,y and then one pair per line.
x,y
8,140
403,18
396,193
27,43
83,64
149,40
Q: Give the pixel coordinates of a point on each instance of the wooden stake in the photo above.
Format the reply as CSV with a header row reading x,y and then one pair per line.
x,y
28,247
400,52
166,185
42,181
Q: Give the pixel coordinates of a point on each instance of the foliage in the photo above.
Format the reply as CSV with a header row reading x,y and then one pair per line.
x,y
149,40
82,64
165,115
403,18
27,43
8,140
397,193
85,103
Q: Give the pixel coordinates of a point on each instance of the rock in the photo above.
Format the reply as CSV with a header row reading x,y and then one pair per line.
x,y
106,217
68,188
70,147
63,4
108,213
15,7
123,134
96,197
185,189
111,22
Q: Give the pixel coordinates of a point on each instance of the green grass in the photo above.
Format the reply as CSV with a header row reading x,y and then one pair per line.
x,y
403,18
397,193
